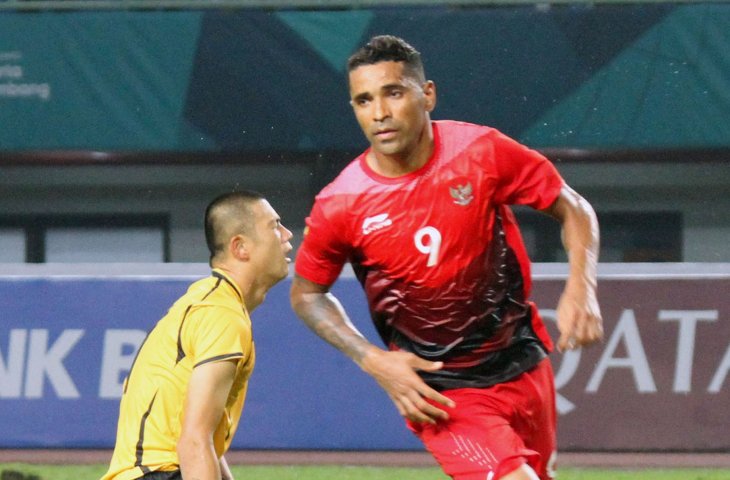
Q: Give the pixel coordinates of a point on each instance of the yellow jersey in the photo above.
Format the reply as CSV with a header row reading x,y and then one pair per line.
x,y
209,323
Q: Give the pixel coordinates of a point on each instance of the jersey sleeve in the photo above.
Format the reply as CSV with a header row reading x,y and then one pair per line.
x,y
525,177
214,333
323,251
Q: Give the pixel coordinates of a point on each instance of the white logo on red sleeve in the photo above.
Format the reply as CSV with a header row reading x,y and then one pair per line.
x,y
376,222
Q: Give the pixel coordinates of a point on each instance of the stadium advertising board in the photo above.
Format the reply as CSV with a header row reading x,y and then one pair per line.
x,y
662,374
658,381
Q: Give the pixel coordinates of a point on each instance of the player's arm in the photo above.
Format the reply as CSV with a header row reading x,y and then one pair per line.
x,y
226,473
579,316
395,372
209,387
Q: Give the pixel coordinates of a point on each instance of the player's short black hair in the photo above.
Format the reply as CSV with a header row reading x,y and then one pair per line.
x,y
388,48
227,215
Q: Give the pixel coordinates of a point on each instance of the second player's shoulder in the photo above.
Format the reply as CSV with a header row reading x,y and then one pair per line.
x,y
214,291
214,317
456,137
456,129
479,141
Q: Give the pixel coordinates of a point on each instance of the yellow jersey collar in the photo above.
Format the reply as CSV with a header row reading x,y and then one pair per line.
x,y
218,273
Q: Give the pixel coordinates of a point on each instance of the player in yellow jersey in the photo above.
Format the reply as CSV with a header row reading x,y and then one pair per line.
x,y
184,394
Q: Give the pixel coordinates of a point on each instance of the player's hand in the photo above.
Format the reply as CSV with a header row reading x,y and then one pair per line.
x,y
579,319
396,374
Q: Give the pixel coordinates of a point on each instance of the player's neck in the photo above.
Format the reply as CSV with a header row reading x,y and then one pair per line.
x,y
254,292
402,163
248,283
254,297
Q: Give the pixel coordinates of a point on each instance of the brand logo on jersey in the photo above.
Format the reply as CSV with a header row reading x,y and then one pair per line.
x,y
462,194
376,222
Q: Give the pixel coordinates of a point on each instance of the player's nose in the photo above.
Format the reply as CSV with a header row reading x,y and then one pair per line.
x,y
287,234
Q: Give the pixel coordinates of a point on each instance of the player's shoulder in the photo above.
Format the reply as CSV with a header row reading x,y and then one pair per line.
x,y
461,128
202,288
218,310
213,291
457,138
459,135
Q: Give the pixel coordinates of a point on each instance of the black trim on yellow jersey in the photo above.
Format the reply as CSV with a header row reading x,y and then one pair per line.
x,y
180,351
219,357
225,279
140,440
217,284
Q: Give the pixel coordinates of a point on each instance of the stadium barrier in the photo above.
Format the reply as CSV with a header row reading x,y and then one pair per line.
x,y
657,382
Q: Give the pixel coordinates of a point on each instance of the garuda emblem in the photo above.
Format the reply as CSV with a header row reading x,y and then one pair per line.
x,y
462,194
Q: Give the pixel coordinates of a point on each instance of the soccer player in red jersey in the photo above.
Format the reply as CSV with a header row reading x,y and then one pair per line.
x,y
423,218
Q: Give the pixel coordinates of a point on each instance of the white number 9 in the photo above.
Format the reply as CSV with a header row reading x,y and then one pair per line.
x,y
432,248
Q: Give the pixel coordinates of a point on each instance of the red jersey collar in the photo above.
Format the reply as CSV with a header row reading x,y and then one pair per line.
x,y
408,176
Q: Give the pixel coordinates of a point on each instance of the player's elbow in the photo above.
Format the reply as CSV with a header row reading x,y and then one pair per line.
x,y
301,302
304,294
190,442
296,296
192,445
197,457
571,207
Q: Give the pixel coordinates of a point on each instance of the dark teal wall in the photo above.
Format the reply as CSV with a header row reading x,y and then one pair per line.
x,y
94,81
649,75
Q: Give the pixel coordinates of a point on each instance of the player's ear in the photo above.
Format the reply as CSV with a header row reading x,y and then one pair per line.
x,y
429,91
239,247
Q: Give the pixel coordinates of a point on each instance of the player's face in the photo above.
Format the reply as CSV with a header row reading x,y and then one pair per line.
x,y
271,244
392,107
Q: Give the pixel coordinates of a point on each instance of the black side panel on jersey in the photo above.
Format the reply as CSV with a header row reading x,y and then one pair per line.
x,y
479,325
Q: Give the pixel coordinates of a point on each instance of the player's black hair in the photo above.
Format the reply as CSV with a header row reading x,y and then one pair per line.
x,y
228,215
388,48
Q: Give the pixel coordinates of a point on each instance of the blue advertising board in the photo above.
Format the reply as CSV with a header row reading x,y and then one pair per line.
x,y
66,344
68,341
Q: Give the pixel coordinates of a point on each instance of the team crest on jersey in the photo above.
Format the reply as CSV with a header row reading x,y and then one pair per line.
x,y
376,222
462,194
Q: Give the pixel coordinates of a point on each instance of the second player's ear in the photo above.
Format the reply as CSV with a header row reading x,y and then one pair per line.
x,y
429,90
239,247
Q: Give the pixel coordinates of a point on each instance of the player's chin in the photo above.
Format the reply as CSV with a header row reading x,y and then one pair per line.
x,y
284,270
388,148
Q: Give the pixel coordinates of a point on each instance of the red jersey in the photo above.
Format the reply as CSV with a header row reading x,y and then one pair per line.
x,y
439,254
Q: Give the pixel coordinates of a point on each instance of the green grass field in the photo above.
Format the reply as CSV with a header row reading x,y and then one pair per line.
x,y
83,472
